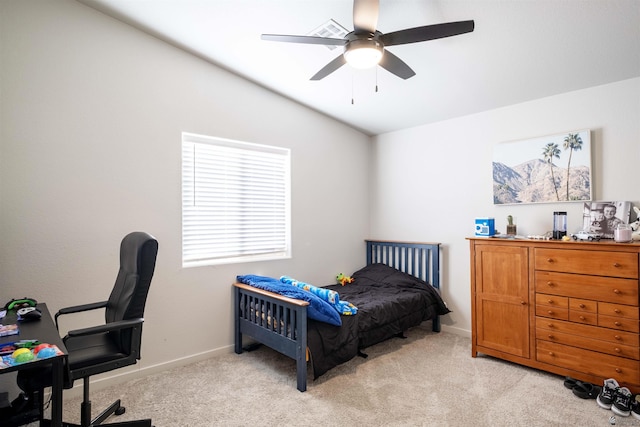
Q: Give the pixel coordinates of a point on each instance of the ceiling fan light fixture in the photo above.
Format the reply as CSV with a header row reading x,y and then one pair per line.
x,y
365,53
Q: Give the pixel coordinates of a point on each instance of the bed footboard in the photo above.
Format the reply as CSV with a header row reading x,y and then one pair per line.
x,y
275,321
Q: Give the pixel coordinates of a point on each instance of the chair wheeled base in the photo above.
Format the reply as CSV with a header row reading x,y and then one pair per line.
x,y
114,409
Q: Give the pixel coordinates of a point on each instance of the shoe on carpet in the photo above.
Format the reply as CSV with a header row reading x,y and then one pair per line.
x,y
635,407
622,402
586,390
569,382
607,394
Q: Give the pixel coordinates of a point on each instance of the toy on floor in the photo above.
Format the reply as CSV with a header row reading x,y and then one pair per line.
x,y
635,226
343,280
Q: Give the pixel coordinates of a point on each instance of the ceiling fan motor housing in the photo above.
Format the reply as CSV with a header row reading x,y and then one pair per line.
x,y
363,50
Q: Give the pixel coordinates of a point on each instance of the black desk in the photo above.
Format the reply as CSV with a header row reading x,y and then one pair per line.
x,y
43,330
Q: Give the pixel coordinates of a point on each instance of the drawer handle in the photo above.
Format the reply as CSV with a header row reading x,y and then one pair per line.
x,y
616,311
615,264
616,291
550,301
581,306
551,353
550,336
617,337
549,259
550,312
550,325
550,283
617,350
523,302
616,323
618,370
581,317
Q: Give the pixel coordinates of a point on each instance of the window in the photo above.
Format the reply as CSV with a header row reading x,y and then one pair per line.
x,y
235,201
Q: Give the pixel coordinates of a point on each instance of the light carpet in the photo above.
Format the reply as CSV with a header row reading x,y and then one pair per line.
x,y
427,379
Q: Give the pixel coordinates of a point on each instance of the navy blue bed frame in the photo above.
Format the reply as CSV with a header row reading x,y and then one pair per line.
x,y
286,328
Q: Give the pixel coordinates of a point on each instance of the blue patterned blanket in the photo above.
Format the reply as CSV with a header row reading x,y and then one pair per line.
x,y
332,297
318,308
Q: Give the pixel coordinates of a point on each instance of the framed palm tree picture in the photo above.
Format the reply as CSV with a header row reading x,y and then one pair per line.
x,y
548,169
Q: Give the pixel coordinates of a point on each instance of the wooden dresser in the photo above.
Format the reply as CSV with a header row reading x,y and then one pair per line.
x,y
571,308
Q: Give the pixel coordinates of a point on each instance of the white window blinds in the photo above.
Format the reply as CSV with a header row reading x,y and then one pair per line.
x,y
235,201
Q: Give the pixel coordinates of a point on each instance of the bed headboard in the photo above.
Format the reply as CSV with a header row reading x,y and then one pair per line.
x,y
421,260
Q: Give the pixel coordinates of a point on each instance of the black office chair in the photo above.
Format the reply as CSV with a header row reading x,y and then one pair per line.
x,y
114,344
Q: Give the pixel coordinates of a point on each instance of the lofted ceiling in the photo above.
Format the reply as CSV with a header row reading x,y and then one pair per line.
x,y
520,50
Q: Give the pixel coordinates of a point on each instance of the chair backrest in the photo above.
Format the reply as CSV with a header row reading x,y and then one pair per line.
x,y
138,252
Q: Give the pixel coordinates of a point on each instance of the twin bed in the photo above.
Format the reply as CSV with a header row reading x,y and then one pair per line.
x,y
396,290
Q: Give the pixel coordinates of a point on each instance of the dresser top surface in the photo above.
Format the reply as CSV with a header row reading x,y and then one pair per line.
x,y
633,246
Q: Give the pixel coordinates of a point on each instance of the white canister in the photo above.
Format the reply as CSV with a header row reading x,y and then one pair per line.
x,y
622,233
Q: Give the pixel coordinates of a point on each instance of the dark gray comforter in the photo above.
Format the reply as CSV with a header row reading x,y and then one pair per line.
x,y
389,302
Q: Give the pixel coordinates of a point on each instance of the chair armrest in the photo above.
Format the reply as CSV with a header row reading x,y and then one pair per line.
x,y
79,308
108,327
82,307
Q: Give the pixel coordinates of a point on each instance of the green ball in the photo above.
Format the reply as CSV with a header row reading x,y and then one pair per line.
x,y
24,357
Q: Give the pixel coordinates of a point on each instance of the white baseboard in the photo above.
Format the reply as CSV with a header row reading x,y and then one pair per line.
x,y
139,371
455,330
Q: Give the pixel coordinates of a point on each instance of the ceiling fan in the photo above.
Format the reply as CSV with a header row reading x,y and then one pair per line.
x,y
364,47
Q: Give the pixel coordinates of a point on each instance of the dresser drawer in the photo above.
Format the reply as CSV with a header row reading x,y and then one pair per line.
x,y
607,289
608,309
552,300
553,312
583,317
589,362
585,305
614,349
603,334
600,263
621,323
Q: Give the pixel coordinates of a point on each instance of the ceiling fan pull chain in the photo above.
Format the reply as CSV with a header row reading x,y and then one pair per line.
x,y
352,102
376,79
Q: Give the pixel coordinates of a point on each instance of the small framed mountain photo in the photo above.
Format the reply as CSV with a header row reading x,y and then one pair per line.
x,y
548,169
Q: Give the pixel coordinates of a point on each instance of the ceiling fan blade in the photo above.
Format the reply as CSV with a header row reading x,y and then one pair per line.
x,y
338,62
365,16
327,41
428,32
396,66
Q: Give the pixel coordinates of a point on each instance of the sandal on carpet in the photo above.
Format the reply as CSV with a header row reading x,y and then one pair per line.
x,y
586,390
569,382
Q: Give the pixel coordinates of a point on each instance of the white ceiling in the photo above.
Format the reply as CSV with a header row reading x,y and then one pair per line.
x,y
520,50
